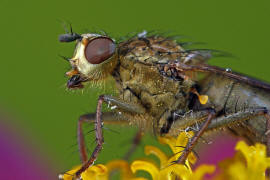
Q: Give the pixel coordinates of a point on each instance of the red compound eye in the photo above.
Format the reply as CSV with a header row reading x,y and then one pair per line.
x,y
99,49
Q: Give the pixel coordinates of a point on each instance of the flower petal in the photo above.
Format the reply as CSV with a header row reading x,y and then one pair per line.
x,y
95,172
145,166
174,170
122,165
169,141
157,152
202,170
69,175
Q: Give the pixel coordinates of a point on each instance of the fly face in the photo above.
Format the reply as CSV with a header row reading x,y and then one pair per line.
x,y
93,59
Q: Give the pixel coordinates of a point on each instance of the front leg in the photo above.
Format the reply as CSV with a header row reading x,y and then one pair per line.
x,y
99,139
98,127
107,118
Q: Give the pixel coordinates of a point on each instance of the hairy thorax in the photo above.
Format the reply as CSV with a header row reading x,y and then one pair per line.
x,y
140,82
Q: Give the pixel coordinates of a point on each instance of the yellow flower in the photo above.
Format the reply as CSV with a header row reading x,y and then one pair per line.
x,y
167,169
103,172
177,146
250,162
97,172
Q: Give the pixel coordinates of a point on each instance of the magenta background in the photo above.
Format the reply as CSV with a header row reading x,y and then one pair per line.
x,y
19,159
221,147
22,158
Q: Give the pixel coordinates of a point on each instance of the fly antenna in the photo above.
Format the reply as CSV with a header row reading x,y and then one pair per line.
x,y
64,57
70,27
69,36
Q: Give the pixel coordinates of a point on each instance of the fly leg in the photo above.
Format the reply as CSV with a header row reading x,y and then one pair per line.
x,y
245,115
133,109
99,139
239,116
98,128
221,121
136,141
267,133
211,114
107,117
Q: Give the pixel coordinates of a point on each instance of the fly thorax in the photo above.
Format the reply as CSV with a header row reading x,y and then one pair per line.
x,y
144,85
140,81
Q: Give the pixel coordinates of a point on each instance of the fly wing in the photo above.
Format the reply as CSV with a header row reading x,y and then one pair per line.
x,y
157,49
201,56
176,62
182,69
246,132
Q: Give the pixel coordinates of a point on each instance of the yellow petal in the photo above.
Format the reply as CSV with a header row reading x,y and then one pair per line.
x,y
245,149
157,152
256,160
174,170
192,158
95,172
144,165
121,165
181,142
169,141
69,175
182,138
202,170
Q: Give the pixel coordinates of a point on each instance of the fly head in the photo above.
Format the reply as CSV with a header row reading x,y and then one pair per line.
x,y
93,59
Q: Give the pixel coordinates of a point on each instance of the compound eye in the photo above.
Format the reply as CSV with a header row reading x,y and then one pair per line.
x,y
99,49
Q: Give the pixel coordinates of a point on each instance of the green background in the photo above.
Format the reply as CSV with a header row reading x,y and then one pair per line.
x,y
32,75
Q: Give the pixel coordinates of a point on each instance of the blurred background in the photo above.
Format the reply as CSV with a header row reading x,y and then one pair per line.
x,y
38,115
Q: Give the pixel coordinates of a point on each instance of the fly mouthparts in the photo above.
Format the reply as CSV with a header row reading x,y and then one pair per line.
x,y
75,82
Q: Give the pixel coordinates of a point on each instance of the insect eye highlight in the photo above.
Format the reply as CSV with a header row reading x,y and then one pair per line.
x,y
99,50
